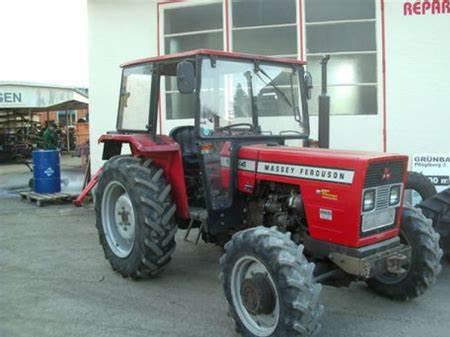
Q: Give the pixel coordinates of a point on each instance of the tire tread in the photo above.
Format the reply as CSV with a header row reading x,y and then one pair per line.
x,y
299,294
156,244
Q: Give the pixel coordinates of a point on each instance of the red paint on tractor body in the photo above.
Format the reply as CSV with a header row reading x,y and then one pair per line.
x,y
343,199
166,154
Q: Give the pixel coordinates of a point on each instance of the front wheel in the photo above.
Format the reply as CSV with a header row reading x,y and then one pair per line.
x,y
424,265
269,285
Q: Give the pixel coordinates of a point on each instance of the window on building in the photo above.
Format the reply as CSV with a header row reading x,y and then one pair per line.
x,y
346,30
188,28
71,114
267,27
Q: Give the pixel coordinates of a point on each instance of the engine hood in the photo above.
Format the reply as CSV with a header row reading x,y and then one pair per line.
x,y
314,156
338,166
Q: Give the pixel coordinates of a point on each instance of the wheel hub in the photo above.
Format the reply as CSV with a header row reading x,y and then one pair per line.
x,y
118,219
257,295
124,216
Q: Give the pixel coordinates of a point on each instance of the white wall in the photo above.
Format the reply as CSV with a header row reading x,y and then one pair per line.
x,y
118,31
418,81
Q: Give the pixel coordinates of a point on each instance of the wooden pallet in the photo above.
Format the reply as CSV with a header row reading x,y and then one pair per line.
x,y
46,198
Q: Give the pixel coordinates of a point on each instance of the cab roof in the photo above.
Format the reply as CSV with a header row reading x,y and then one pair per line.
x,y
213,52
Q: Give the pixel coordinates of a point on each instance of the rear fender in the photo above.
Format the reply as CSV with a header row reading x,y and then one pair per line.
x,y
163,151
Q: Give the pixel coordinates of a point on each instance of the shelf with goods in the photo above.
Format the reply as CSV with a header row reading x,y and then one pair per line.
x,y
19,132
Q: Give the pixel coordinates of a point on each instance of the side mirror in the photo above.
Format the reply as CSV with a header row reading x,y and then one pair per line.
x,y
308,84
186,77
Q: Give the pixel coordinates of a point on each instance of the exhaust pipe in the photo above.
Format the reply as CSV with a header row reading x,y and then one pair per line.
x,y
324,108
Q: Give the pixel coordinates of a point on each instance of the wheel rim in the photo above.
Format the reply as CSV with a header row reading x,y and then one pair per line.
x,y
118,219
264,323
390,278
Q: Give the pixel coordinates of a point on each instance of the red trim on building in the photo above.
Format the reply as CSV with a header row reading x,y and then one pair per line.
x,y
158,46
158,37
227,26
300,28
383,55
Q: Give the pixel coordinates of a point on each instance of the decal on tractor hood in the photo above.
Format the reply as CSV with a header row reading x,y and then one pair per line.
x,y
307,172
296,171
243,164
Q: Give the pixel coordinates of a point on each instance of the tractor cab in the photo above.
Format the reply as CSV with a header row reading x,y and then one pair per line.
x,y
233,99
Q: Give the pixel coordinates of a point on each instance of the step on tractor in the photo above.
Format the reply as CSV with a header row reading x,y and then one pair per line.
x,y
291,217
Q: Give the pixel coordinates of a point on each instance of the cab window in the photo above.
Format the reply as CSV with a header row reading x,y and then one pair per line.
x,y
134,103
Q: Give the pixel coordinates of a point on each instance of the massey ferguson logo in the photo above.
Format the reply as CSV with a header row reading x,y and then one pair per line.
x,y
307,172
386,174
295,171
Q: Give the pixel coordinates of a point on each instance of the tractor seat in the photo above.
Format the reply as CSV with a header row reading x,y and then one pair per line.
x,y
185,137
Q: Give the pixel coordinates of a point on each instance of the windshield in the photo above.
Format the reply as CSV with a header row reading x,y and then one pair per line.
x,y
243,98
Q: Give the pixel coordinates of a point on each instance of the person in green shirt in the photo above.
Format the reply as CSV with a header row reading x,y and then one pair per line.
x,y
50,137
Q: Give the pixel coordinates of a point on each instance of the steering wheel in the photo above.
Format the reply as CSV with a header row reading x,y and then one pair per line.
x,y
251,127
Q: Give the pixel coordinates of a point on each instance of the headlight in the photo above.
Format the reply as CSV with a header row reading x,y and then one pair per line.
x,y
394,195
368,200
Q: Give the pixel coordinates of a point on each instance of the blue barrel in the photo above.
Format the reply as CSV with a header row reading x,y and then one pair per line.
x,y
46,171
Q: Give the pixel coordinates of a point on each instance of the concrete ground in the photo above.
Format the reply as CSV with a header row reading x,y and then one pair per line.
x,y
54,281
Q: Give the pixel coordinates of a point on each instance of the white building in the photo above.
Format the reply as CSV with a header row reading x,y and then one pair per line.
x,y
389,68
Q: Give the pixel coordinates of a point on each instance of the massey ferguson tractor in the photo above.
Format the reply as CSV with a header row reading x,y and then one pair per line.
x,y
291,217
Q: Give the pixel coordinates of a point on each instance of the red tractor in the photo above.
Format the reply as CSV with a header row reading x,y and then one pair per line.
x,y
291,217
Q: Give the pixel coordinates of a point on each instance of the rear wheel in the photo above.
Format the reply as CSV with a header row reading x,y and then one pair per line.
x,y
135,217
419,187
269,285
424,266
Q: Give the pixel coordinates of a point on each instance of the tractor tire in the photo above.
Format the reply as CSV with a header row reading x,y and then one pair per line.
x,y
445,236
424,266
269,285
135,217
421,184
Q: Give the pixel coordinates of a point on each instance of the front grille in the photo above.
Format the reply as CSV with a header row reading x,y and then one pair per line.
x,y
382,217
382,197
384,173
378,220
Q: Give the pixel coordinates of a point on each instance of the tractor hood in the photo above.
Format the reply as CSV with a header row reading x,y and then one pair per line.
x,y
338,166
345,157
